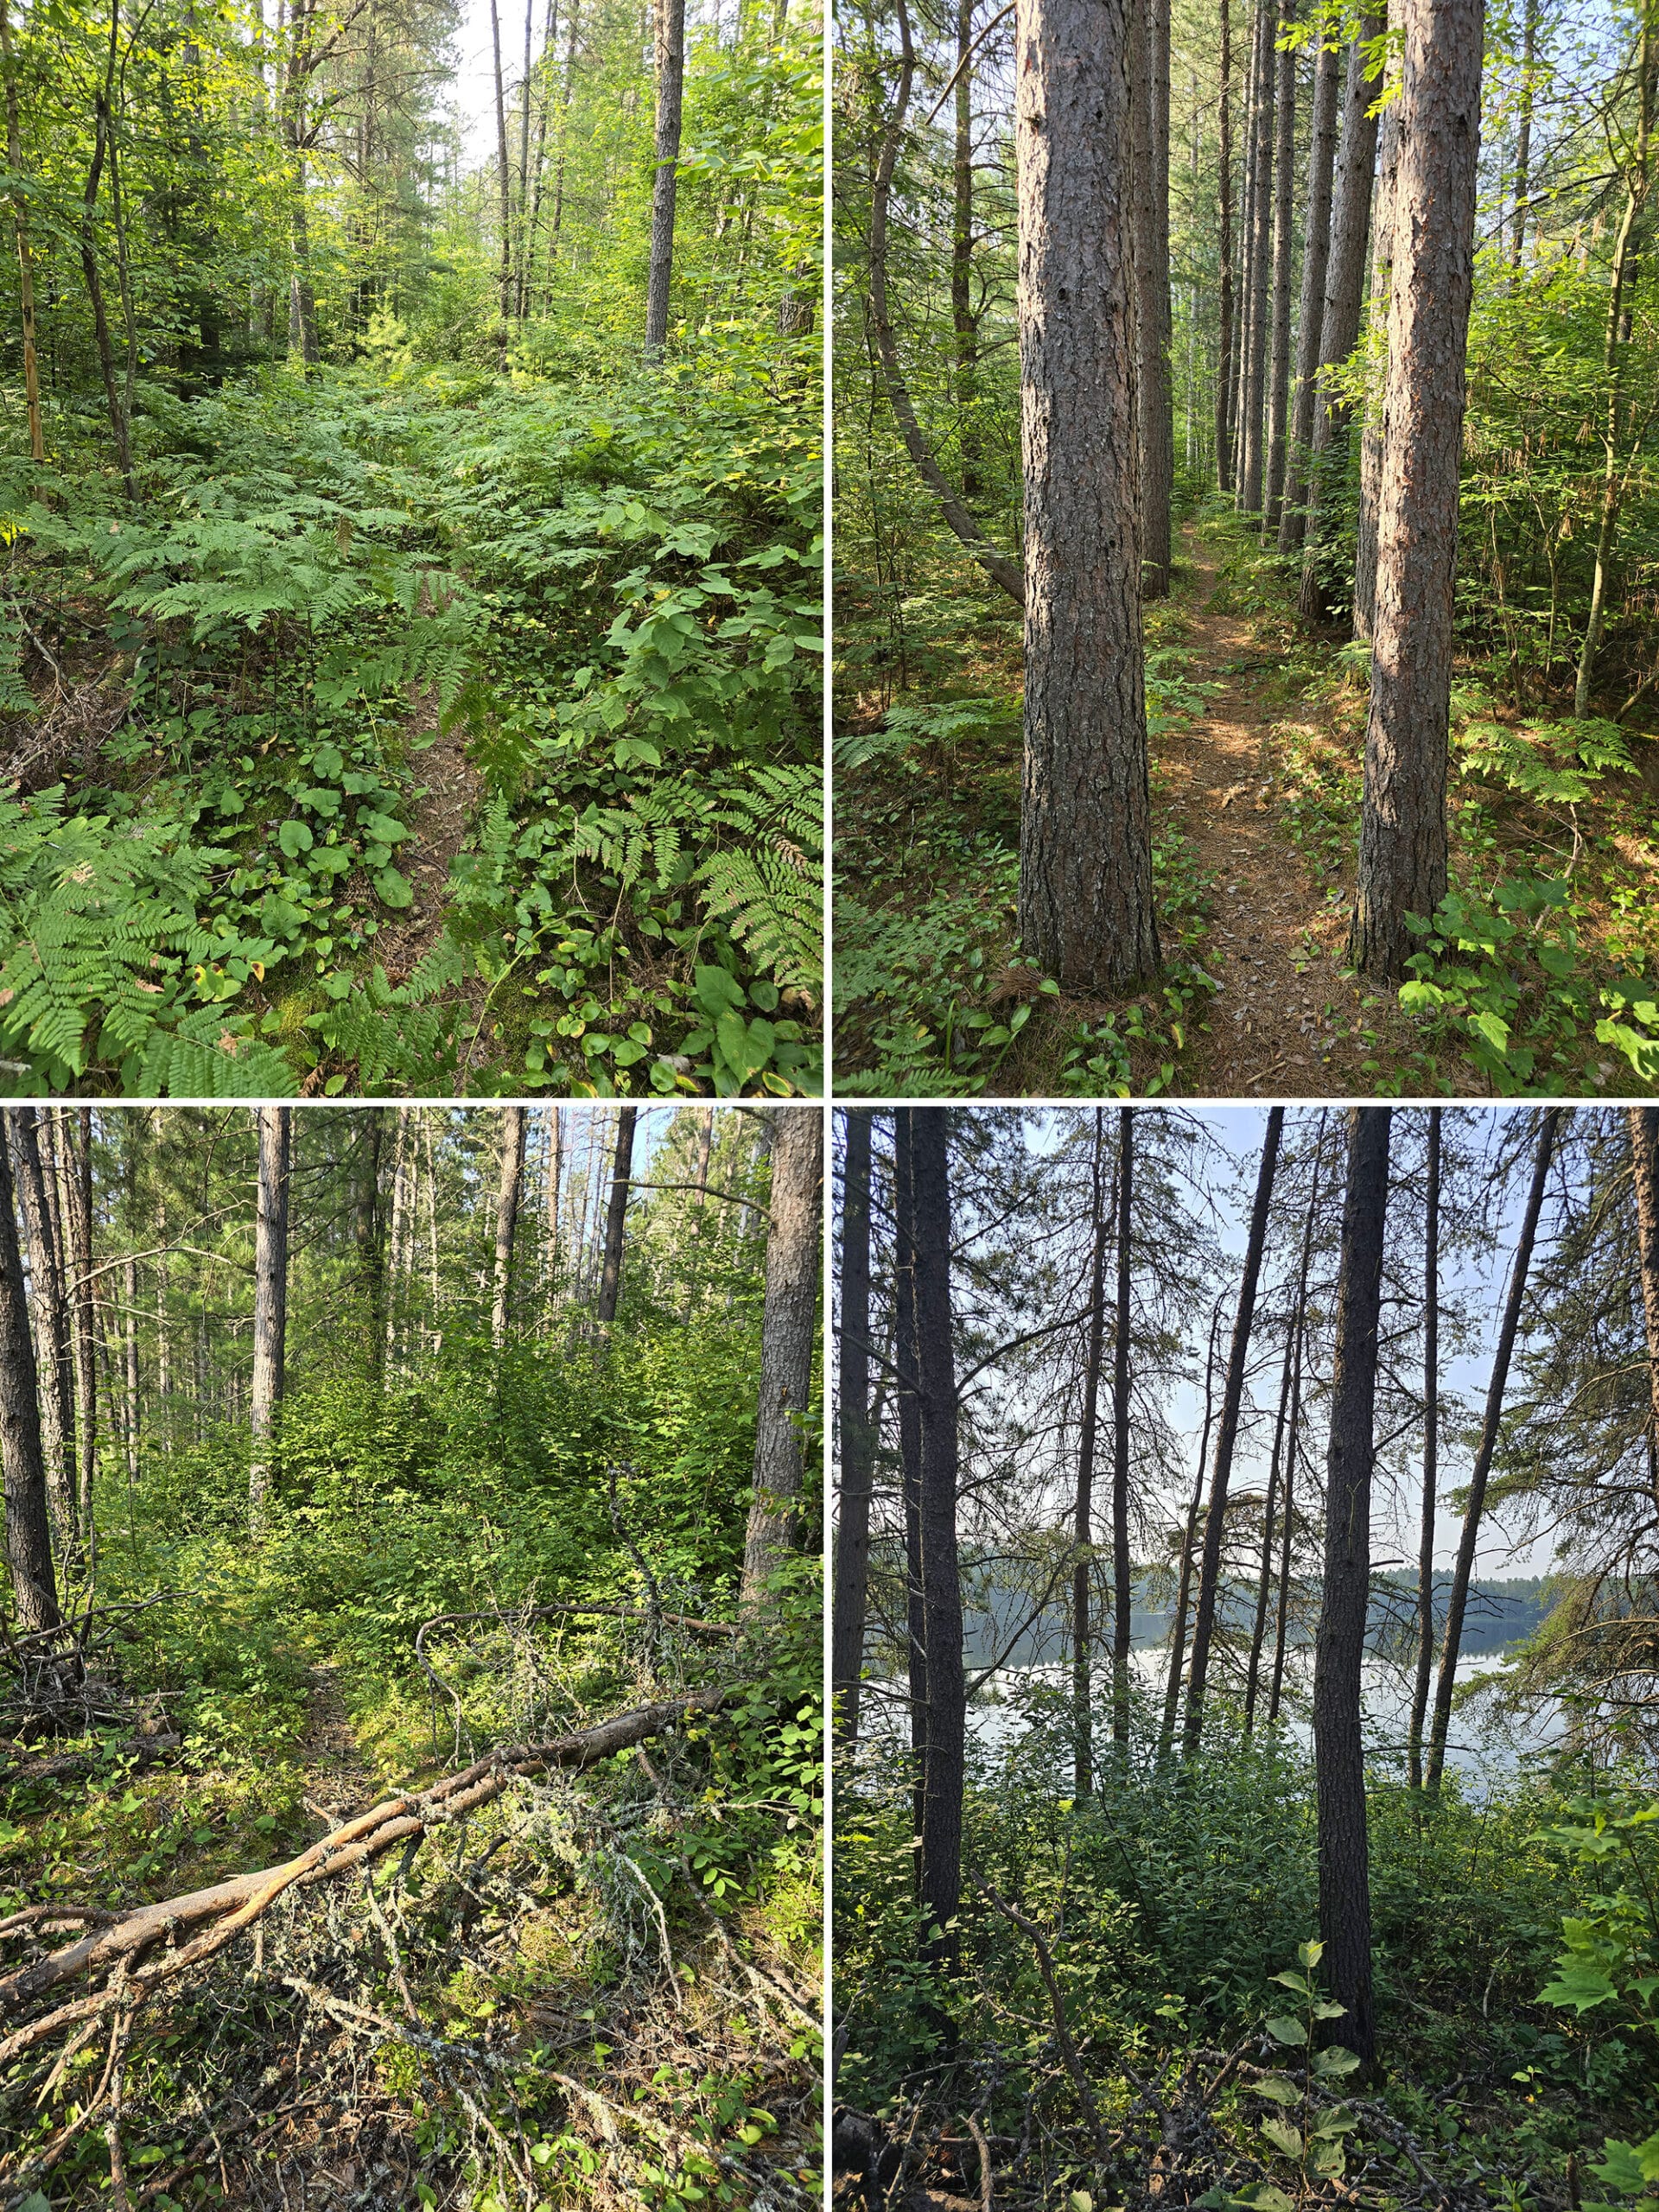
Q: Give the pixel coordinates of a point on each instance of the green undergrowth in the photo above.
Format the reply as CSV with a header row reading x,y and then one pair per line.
x,y
446,735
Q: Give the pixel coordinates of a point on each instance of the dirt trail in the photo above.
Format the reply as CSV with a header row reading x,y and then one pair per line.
x,y
340,1780
1285,1021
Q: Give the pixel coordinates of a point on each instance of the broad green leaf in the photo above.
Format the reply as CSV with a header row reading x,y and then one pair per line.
x,y
1283,2028
1279,2089
395,889
1284,2137
295,838
1336,2061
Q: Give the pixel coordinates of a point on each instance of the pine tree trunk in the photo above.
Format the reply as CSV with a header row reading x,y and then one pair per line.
x,y
1338,1750
29,1540
1270,1505
857,1473
20,232
1227,1434
368,1233
1475,1503
1224,259
1189,1542
793,1262
1403,838
1284,177
670,84
1122,1581
1316,248
1256,326
78,1190
910,1463
1644,1169
1431,1455
554,1195
1086,913
509,1184
610,1281
269,1302
1374,437
55,1361
1344,285
1523,134
1083,1516
503,179
963,320
1150,124
1286,1530
1246,231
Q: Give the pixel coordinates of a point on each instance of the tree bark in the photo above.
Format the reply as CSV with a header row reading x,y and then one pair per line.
x,y
1086,911
1316,248
857,1472
1189,1540
1287,1533
1523,133
1403,838
1374,434
28,1540
269,1302
671,86
1431,1455
610,1281
1462,1573
1284,1444
910,1463
1344,285
1338,1752
1255,321
1224,258
55,1361
941,1837
509,1184
1644,1170
794,1257
1122,1586
1284,177
504,279
77,1152
1227,1434
964,322
20,232
1149,121
1083,1516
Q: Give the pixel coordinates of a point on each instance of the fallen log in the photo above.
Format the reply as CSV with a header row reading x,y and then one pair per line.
x,y
224,1909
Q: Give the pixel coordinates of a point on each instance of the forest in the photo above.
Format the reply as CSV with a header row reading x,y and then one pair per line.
x,y
1247,677
1272,1878
410,630
411,1657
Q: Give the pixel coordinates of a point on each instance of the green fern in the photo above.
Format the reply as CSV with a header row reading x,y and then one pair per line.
x,y
768,888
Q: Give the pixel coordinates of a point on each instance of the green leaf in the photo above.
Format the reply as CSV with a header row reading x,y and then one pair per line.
x,y
716,992
295,838
1284,2137
395,889
1336,2061
1279,2089
1283,2028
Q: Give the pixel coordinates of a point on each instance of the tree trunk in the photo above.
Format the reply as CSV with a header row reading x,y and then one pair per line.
x,y
1189,1540
1246,231
1284,1445
1085,844
1123,1587
1083,1517
1284,178
554,1194
670,85
77,1191
1286,1532
1150,122
1224,258
269,1302
1431,1455
1402,845
368,1231
794,1257
1644,1170
1458,1597
610,1281
941,1839
28,1540
1375,435
1344,285
1227,1434
1338,1752
857,1471
54,1361
1316,234
508,1186
1256,321
504,278
910,1464
532,219
20,232
965,321
1523,134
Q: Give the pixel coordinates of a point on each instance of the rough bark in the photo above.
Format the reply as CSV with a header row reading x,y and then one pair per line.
x,y
1373,434
910,1460
1338,1752
1150,121
53,1359
1644,1169
77,1155
794,1253
1224,259
1431,1455
29,1540
1227,1432
1284,160
1284,1445
1457,1599
671,93
1523,133
610,1280
1083,1516
504,182
1255,320
1403,839
1189,1542
1344,286
20,233
1316,248
1085,848
509,1184
964,321
269,1301
1122,1575
857,1455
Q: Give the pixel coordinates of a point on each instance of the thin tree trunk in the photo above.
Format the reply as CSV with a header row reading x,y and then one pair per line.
x,y
1189,1540
566,84
1374,437
910,1463
532,221
269,1303
1083,1518
1523,134
1316,248
857,1470
19,230
1123,1584
1344,285
1246,232
1338,1752
1086,915
965,321
1149,116
671,86
508,1186
53,1359
521,273
1644,1170
1283,1434
28,1539
793,1264
1284,177
1255,325
1224,257
941,1837
1227,1434
1288,1532
504,279
1403,837
1475,1505
610,1282
1431,1455
368,1233
78,1190
554,1195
